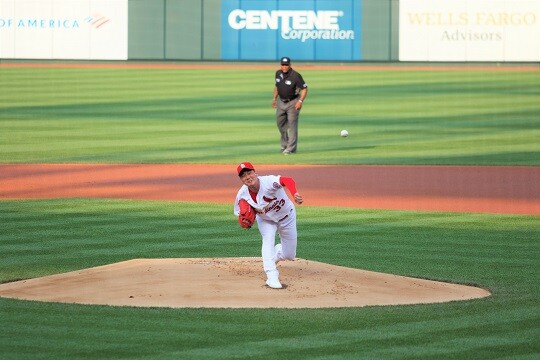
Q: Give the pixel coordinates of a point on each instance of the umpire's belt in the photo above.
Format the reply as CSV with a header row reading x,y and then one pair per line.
x,y
287,100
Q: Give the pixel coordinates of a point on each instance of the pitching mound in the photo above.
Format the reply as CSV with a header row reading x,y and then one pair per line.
x,y
233,283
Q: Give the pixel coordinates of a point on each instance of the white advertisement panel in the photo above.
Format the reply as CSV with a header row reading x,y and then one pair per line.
x,y
64,29
469,30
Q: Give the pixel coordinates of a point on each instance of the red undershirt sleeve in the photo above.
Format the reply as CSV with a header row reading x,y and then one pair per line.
x,y
289,183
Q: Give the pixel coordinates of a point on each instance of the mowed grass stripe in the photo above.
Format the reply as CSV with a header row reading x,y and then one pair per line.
x,y
452,252
374,340
408,236
213,116
55,225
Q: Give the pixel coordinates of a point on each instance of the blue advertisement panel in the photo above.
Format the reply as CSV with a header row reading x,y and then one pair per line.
x,y
308,30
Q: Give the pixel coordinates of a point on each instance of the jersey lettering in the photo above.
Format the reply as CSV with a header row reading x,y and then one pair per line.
x,y
268,200
276,205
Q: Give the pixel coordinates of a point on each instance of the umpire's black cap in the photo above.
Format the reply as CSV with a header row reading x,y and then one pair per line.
x,y
285,61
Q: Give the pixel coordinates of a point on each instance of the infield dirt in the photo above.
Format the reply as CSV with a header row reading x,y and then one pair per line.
x,y
489,189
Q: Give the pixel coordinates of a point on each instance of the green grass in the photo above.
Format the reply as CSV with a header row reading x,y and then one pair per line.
x,y
222,116
499,252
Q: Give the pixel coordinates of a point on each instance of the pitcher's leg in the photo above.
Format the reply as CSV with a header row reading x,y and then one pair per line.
x,y
288,238
268,232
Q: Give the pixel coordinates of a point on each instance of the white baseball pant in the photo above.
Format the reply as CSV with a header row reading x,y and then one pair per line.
x,y
286,228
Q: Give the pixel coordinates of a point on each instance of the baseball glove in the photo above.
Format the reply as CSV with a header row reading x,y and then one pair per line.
x,y
246,219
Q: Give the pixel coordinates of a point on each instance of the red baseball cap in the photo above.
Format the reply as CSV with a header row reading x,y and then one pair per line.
x,y
244,166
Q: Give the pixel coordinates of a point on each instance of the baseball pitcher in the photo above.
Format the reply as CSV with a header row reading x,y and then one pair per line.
x,y
263,198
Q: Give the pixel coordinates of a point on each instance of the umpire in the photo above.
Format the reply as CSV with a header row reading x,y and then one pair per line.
x,y
291,91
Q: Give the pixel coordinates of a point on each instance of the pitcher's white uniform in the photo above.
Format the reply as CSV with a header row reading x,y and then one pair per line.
x,y
275,214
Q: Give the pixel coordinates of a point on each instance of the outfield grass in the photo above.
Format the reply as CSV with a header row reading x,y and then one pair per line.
x,y
224,115
499,252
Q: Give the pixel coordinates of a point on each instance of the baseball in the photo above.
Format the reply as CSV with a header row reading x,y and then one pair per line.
x,y
344,133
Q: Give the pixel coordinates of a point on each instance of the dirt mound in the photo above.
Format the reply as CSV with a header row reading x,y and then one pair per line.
x,y
233,283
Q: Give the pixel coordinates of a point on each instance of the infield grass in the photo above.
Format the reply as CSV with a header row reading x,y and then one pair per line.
x,y
465,117
499,252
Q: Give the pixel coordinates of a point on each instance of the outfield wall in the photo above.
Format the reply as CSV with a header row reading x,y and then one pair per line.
x,y
265,30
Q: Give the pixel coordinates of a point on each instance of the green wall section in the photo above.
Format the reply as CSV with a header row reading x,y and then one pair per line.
x,y
146,24
376,30
191,30
394,30
211,29
183,29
